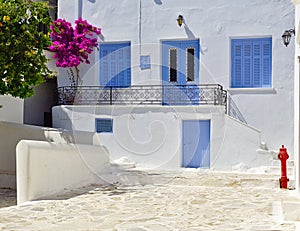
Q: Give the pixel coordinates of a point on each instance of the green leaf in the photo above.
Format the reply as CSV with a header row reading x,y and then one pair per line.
x,y
22,62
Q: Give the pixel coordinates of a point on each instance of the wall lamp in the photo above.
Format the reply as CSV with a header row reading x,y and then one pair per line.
x,y
286,37
180,20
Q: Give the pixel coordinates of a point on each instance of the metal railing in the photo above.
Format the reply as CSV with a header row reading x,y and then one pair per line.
x,y
233,110
211,94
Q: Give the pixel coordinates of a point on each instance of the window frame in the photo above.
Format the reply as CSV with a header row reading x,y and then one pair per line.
x,y
264,82
98,129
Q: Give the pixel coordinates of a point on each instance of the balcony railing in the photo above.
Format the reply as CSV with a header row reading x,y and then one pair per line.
x,y
211,94
233,110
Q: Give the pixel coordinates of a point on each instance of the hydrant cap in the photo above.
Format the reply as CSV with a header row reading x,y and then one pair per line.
x,y
283,149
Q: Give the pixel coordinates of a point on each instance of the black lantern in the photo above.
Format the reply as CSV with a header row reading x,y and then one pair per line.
x,y
180,20
286,37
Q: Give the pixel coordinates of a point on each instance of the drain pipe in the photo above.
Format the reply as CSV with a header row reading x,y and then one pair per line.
x,y
78,9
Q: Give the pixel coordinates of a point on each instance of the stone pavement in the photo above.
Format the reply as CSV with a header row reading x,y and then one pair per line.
x,y
187,200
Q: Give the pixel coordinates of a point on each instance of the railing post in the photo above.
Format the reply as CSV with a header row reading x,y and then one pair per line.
x,y
110,95
225,101
215,95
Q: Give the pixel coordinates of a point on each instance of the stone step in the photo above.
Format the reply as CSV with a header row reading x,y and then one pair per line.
x,y
289,163
272,154
276,170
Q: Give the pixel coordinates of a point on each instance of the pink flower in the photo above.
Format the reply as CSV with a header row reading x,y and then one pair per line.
x,y
72,45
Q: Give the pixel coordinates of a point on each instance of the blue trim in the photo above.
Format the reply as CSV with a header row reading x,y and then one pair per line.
x,y
104,125
115,64
251,63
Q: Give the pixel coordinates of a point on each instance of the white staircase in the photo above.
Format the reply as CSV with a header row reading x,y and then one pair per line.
x,y
275,168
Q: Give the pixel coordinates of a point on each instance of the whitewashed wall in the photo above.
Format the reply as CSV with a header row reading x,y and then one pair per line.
x,y
152,136
147,22
45,169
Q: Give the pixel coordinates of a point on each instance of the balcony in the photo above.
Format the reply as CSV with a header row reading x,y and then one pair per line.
x,y
203,94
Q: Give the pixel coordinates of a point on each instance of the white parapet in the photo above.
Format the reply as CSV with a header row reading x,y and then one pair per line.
x,y
12,133
45,169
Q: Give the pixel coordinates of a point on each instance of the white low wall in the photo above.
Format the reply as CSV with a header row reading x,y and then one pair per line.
x,y
46,168
12,133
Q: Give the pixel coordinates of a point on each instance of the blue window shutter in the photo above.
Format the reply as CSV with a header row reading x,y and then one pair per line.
x,y
247,63
124,70
127,67
104,125
251,62
266,62
104,65
236,69
113,67
257,61
121,65
115,64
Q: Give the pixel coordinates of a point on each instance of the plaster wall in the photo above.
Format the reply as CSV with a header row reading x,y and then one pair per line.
x,y
146,23
46,168
152,136
11,134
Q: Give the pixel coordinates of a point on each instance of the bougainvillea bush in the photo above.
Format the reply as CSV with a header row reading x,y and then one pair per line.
x,y
23,64
72,45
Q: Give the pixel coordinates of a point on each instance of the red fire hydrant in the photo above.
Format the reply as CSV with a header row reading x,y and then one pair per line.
x,y
283,156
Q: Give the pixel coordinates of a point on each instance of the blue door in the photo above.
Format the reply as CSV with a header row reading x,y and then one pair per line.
x,y
180,72
196,143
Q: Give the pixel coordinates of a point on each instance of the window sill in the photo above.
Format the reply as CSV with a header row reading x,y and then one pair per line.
x,y
270,90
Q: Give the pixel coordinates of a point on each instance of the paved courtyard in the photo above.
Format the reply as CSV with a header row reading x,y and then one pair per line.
x,y
188,200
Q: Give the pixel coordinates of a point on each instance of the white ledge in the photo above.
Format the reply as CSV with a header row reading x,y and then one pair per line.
x,y
252,90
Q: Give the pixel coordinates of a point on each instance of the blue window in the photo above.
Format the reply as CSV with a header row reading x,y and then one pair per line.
x,y
104,125
115,70
251,63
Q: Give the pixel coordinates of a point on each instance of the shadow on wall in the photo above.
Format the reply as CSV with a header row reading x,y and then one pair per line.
x,y
158,2
102,38
188,32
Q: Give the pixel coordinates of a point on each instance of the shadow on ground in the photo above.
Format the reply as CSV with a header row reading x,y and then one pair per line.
x,y
8,197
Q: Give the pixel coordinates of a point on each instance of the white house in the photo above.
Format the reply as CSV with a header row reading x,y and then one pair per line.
x,y
214,92
297,92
